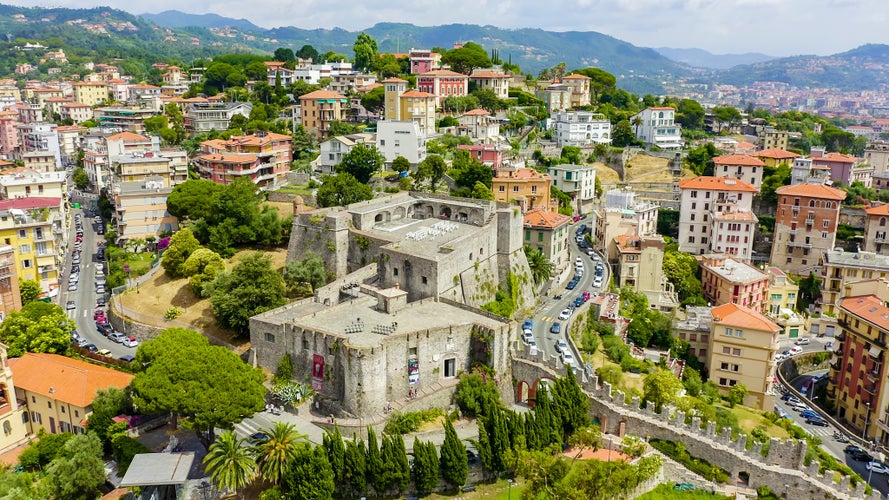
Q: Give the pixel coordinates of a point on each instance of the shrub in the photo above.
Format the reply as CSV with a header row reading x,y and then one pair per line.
x,y
476,395
410,421
172,313
615,348
677,451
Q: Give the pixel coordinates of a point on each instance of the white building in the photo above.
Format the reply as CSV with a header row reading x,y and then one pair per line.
x,y
40,137
480,125
744,167
401,138
804,172
658,127
333,150
309,73
578,181
207,116
581,128
715,216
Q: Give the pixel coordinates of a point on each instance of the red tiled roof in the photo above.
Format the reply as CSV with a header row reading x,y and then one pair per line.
x,y
30,202
575,76
837,157
878,210
489,74
417,93
544,218
393,80
811,190
776,153
626,243
322,94
442,72
128,137
65,379
869,308
661,108
743,160
740,316
742,216
477,112
717,184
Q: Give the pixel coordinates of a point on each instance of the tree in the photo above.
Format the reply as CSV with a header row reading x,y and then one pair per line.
x,y
633,446
193,199
468,170
361,162
252,287
809,292
400,164
736,394
310,476
44,450
275,454
29,291
336,453
341,189
425,468
81,180
236,218
387,66
682,270
725,116
375,468
307,52
366,52
284,54
468,57
108,404
622,135
229,463
588,437
481,192
433,167
600,81
660,387
541,267
355,465
79,470
201,267
182,245
38,327
180,372
690,114
571,154
454,462
475,395
700,159
374,100
307,271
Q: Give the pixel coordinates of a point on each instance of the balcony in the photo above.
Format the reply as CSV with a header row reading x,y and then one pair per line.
x,y
836,362
842,335
793,231
791,244
810,221
871,389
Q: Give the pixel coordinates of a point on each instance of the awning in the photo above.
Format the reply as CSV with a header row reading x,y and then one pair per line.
x,y
875,352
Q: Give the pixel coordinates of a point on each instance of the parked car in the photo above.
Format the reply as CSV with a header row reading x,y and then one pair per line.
x,y
578,301
561,346
571,285
556,328
117,337
851,449
795,350
790,398
102,320
91,347
130,342
527,336
105,329
528,324
578,262
807,413
816,421
70,305
802,341
861,456
878,467
127,358
98,313
72,287
104,352
565,314
567,358
585,296
100,302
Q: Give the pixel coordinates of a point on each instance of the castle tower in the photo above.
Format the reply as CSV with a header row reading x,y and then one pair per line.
x,y
393,90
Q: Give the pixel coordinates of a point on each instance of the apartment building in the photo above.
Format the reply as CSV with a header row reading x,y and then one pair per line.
x,y
526,187
9,137
478,124
401,104
659,128
58,392
401,138
207,116
742,348
577,181
579,88
129,119
640,265
334,149
716,216
321,108
69,141
496,82
39,140
876,224
488,154
10,296
23,182
781,305
581,128
772,138
856,381
773,157
77,112
805,225
804,172
728,281
548,232
744,167
694,328
622,213
14,417
878,157
841,270
423,61
443,83
140,208
91,93
34,227
843,168
263,157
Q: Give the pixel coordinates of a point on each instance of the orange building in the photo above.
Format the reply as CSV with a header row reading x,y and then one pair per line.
x,y
526,187
320,108
805,225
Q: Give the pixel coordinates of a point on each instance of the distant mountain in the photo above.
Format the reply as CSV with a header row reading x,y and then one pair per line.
x,y
862,68
178,19
702,59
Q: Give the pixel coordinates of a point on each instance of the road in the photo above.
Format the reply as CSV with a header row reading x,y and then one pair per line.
x,y
833,447
548,312
85,296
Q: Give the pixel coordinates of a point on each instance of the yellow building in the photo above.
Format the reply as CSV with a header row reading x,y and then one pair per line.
x,y
34,227
10,297
25,182
320,108
773,157
91,93
13,410
526,187
59,391
401,104
742,350
781,302
140,185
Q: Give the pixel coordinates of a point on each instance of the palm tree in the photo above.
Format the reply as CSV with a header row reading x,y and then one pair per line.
x,y
541,267
229,462
637,121
275,454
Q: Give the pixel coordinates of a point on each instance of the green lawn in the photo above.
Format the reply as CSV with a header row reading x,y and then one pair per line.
x,y
494,491
291,189
139,263
666,492
748,419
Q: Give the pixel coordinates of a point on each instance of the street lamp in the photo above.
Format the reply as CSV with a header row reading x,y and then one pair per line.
x,y
509,488
866,421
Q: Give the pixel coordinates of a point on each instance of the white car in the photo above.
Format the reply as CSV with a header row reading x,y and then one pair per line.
x,y
567,358
596,257
561,346
795,350
117,337
578,262
597,282
802,341
527,337
565,314
130,342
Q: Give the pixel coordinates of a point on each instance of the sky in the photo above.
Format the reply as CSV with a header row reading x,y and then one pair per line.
x,y
773,27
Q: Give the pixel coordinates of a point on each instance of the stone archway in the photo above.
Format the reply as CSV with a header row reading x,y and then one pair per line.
x,y
399,213
523,392
445,212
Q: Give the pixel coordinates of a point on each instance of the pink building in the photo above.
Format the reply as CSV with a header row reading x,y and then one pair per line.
x,y
840,165
423,61
263,157
728,281
443,83
9,139
488,154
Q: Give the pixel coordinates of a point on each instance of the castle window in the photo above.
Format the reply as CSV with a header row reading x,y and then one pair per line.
x,y
450,367
270,337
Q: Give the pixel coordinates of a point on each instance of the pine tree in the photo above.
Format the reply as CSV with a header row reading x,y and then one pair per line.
x,y
389,476
574,403
402,465
549,429
375,470
454,462
485,454
336,451
354,468
425,467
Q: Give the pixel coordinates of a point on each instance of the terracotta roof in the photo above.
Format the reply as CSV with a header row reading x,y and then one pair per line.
x,y
837,157
58,99
743,160
776,153
30,202
626,243
322,94
742,216
869,308
717,184
393,80
812,190
128,137
442,72
740,316
255,140
661,108
65,379
878,210
575,76
744,145
545,218
229,158
74,105
477,112
489,74
417,93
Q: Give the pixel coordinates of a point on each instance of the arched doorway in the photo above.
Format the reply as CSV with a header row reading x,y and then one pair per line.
x,y
523,392
445,212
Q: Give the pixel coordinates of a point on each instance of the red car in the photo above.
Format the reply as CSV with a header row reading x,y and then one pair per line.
x,y
101,320
100,313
